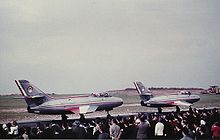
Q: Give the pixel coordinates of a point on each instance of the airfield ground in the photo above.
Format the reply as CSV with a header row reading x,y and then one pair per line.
x,y
15,109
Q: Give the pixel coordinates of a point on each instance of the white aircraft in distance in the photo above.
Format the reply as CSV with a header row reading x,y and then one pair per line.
x,y
41,103
148,100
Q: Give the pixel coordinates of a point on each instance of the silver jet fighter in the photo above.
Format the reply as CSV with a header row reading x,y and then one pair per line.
x,y
41,103
148,100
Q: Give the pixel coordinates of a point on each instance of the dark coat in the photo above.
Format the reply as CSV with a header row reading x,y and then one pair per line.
x,y
142,130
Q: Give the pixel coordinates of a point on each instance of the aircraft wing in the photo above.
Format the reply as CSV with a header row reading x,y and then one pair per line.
x,y
180,103
83,109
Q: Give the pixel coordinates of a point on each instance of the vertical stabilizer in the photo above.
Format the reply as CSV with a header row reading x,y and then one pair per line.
x,y
33,95
144,93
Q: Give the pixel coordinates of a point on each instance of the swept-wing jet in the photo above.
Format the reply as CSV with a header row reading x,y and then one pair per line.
x,y
148,100
41,103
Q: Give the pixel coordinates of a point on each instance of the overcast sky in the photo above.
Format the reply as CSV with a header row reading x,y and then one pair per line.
x,y
67,46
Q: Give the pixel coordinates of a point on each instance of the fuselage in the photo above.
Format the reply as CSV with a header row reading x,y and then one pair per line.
x,y
64,105
166,101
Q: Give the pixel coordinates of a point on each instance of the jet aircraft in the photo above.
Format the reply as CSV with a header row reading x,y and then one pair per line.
x,y
41,103
148,100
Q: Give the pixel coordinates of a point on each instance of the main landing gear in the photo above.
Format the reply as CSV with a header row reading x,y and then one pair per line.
x,y
177,109
64,117
159,110
108,115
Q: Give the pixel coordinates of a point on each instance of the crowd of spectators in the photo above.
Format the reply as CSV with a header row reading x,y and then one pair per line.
x,y
187,125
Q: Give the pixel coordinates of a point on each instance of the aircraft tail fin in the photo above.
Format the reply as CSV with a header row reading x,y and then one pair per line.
x,y
32,95
144,93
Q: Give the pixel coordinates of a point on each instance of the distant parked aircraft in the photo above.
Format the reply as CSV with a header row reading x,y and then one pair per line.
x,y
41,103
148,100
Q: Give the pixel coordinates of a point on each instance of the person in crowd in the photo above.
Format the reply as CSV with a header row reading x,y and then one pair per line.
x,y
185,133
89,129
103,133
159,128
79,130
193,124
67,133
4,131
33,134
56,129
96,128
215,131
13,129
40,129
130,131
114,130
168,128
177,134
191,133
48,133
25,135
142,128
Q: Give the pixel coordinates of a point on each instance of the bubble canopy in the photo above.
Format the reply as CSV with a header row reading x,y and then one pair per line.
x,y
103,94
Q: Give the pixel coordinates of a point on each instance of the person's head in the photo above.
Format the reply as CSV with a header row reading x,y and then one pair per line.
x,y
102,128
131,117
142,119
14,123
119,118
130,121
114,121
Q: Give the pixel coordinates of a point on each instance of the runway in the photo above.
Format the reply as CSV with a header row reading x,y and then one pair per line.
x,y
16,110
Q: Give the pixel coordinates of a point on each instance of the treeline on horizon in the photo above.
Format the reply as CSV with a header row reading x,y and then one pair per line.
x,y
166,88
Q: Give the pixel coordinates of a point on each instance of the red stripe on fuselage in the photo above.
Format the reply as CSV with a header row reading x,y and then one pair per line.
x,y
76,109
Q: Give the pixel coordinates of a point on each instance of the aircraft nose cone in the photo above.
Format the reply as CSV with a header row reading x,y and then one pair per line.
x,y
197,97
119,101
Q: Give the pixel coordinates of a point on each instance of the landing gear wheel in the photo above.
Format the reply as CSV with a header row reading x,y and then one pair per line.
x,y
159,110
108,115
64,117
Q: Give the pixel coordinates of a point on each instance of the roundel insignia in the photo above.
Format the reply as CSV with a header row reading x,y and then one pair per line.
x,y
30,89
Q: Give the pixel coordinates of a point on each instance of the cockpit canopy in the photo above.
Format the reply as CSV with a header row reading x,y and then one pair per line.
x,y
185,92
103,94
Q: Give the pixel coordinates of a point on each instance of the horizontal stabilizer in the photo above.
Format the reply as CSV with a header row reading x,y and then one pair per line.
x,y
29,97
35,96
